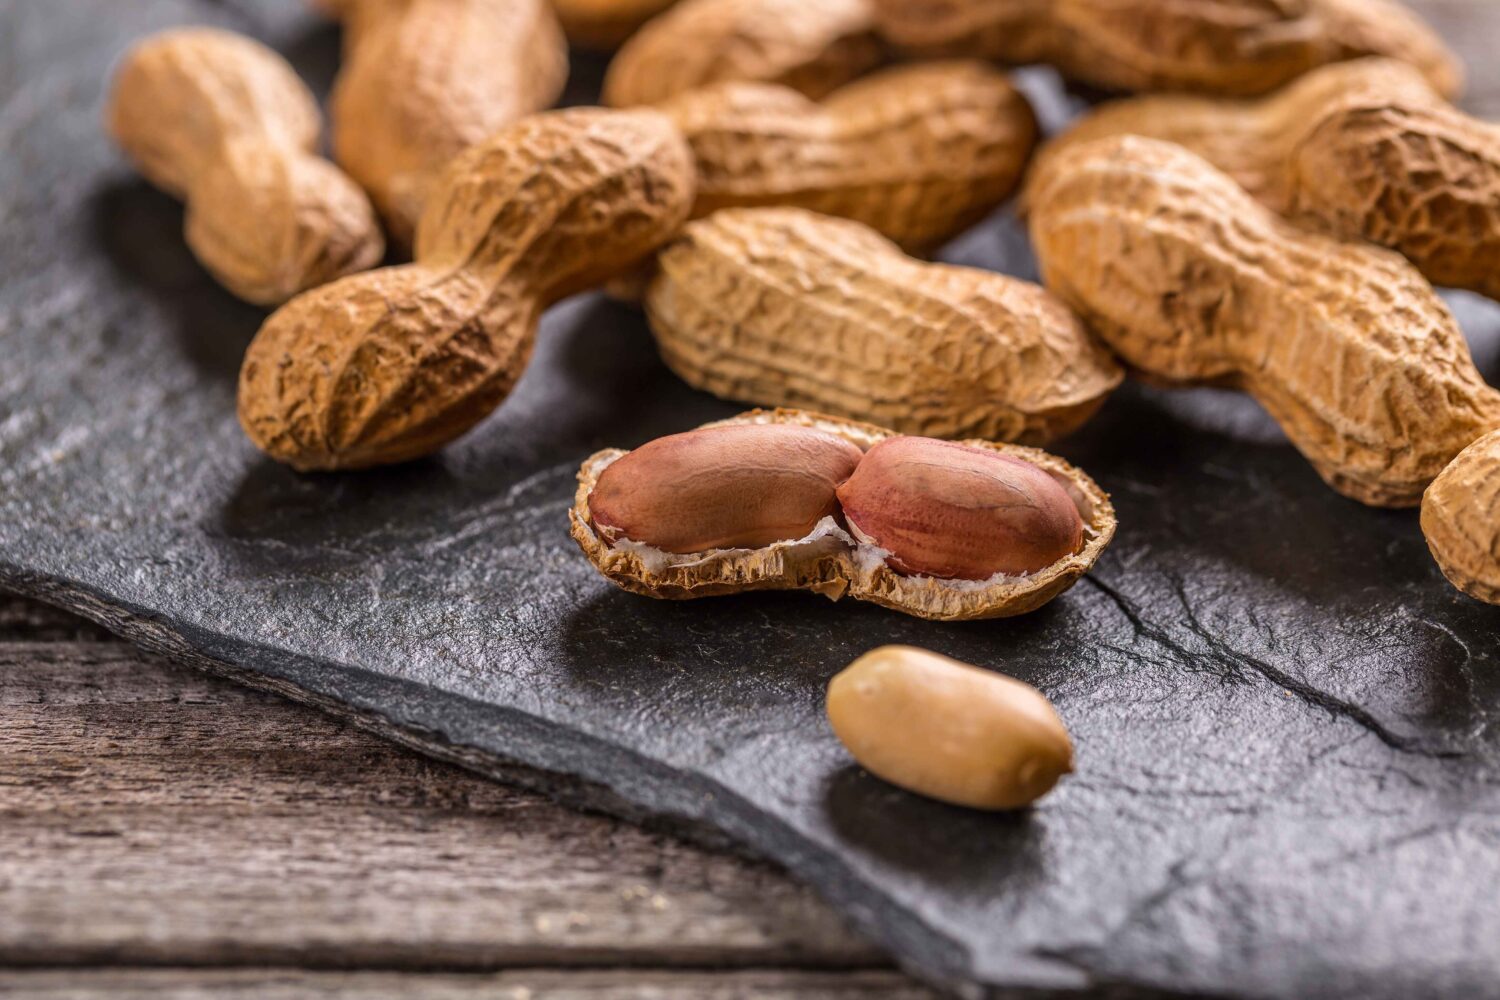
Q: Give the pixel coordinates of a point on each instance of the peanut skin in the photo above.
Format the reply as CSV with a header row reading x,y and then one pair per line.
x,y
729,487
917,153
1461,519
223,123
959,513
831,563
1191,281
811,46
425,79
784,307
1229,47
948,730
1364,149
393,364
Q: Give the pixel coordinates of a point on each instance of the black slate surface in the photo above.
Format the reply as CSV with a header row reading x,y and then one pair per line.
x,y
1285,719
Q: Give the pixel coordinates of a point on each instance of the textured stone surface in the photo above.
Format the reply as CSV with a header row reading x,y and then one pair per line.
x,y
1285,717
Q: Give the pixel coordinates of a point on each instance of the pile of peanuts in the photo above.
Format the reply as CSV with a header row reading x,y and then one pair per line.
x,y
759,180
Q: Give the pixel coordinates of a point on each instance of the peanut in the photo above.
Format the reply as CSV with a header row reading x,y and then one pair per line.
x,y
948,730
960,513
710,512
917,153
223,123
1234,47
393,364
743,486
1461,519
604,24
784,307
425,79
1364,149
1192,281
811,46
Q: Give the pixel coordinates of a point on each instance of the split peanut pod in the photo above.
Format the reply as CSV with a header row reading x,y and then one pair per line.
x,y
778,306
917,152
1232,47
812,46
1461,519
948,730
1363,149
223,123
789,500
603,24
391,365
1191,281
425,79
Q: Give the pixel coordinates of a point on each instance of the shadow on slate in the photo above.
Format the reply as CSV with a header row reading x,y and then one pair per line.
x,y
1285,718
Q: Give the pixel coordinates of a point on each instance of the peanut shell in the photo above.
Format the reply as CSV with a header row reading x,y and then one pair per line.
x,y
1461,519
811,46
1191,281
830,561
602,25
425,79
1363,149
223,123
784,307
1230,47
917,153
393,364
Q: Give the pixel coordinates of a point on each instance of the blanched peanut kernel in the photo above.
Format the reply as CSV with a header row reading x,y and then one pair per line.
x,y
948,730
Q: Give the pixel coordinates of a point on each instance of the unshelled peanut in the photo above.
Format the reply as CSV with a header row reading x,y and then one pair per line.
x,y
948,730
224,123
958,512
425,79
1192,281
812,46
603,24
737,486
1361,149
392,364
1232,47
1461,519
790,500
917,153
779,306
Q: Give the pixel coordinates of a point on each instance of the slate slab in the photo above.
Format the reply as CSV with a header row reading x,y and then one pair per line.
x,y
1286,720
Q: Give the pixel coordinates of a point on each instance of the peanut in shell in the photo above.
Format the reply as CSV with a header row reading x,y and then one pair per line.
x,y
1461,519
784,307
1363,150
1228,47
1191,281
811,46
917,153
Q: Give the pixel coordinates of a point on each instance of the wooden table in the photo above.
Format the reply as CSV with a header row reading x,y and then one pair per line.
x,y
166,834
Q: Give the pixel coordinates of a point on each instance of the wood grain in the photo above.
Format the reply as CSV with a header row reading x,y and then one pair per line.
x,y
279,984
150,814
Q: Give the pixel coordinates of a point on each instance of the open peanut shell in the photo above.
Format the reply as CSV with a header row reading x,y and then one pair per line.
x,y
831,561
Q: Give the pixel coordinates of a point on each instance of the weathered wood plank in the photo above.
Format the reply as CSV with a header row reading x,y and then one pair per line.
x,y
153,814
276,984
21,618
